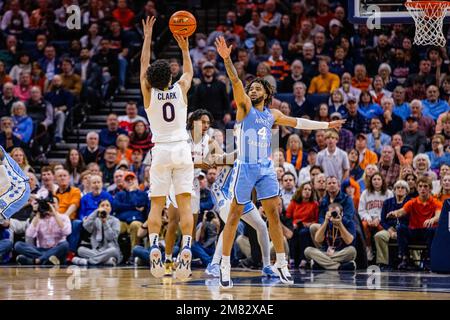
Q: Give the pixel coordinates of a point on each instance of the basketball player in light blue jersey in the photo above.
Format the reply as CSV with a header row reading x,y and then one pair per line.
x,y
253,168
222,196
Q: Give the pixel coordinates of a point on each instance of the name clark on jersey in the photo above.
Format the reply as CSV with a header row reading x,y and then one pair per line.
x,y
166,95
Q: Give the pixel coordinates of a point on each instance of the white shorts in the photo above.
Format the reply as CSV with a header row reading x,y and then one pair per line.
x,y
171,164
195,201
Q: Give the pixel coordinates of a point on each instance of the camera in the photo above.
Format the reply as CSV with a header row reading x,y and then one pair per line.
x,y
334,214
210,215
44,205
102,214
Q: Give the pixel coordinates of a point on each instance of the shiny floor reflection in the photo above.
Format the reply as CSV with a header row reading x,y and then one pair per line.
x,y
136,283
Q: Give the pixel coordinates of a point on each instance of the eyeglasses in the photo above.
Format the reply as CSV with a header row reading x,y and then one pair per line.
x,y
423,186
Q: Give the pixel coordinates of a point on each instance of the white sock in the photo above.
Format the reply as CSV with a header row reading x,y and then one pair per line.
x,y
281,259
153,239
187,241
218,252
225,260
168,256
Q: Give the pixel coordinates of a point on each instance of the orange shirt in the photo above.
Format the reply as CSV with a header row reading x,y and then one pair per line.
x,y
442,198
324,84
68,197
419,211
307,212
126,156
370,157
362,85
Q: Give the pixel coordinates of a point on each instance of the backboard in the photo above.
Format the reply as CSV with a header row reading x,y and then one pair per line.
x,y
388,11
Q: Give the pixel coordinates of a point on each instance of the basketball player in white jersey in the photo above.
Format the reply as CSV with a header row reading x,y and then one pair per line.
x,y
202,148
166,107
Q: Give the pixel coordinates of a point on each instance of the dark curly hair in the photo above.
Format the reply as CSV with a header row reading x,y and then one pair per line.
x,y
197,115
267,87
158,74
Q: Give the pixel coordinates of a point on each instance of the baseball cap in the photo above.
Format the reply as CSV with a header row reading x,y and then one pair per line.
x,y
129,174
336,115
207,64
351,97
335,22
122,164
411,118
361,135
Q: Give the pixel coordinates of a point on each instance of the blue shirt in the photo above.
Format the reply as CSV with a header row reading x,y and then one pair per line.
x,y
23,127
371,111
437,161
108,138
89,203
434,110
403,110
384,139
254,136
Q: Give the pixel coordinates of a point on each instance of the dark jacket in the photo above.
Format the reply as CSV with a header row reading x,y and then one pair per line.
x,y
60,97
125,204
108,138
344,200
89,157
391,205
213,97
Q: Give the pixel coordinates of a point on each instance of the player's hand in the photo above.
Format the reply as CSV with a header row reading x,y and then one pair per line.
x,y
337,124
222,48
183,42
147,26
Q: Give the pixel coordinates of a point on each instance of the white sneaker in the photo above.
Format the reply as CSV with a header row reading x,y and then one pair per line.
x,y
79,261
283,272
369,254
183,270
156,265
112,262
225,277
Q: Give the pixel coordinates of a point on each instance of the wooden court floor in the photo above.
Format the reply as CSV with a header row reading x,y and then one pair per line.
x,y
129,283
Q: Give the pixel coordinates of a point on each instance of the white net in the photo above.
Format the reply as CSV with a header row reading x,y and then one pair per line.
x,y
428,17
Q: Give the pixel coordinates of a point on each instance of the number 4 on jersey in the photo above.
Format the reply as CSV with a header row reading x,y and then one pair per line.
x,y
263,133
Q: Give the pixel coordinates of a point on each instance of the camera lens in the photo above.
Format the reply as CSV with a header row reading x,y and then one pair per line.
x,y
334,214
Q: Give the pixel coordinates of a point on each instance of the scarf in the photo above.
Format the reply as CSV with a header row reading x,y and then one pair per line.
x,y
298,162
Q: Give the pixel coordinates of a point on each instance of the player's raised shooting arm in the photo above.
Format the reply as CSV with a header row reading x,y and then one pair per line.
x,y
188,70
305,124
243,101
147,28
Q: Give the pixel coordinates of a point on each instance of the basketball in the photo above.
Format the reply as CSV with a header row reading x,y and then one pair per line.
x,y
183,23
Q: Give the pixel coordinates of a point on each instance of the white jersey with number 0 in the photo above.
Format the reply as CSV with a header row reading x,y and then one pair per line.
x,y
168,115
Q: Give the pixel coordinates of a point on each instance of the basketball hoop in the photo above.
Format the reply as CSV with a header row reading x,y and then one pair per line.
x,y
429,18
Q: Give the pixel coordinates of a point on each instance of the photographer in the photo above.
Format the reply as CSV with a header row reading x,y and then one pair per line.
x,y
104,230
336,237
50,230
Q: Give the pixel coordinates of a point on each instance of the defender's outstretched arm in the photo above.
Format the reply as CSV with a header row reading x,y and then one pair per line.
x,y
304,124
243,101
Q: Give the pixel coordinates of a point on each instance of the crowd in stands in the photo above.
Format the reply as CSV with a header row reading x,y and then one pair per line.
x,y
385,173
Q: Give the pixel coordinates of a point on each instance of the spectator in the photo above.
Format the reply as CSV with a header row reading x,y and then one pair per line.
x,y
6,245
309,60
90,74
336,237
175,69
42,113
411,179
209,230
401,107
303,37
299,103
92,39
387,167
403,154
249,63
437,155
131,207
444,192
24,65
23,124
136,165
304,174
432,105
412,137
347,89
198,52
365,155
340,64
211,176
127,122
303,209
322,113
355,121
279,68
356,171
75,166
104,229
369,171
70,80
391,122
93,200
108,165
23,88
336,103
108,61
108,135
119,182
50,230
15,21
279,160
295,153
49,63
296,75
211,87
445,129
123,150
19,156
92,152
377,138
400,72
319,184
270,16
361,81
346,139
320,142
367,107
48,183
370,205
140,137
253,27
424,74
423,213
421,166
333,160
325,82
391,226
7,99
287,188
69,202
426,124
7,139
123,14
